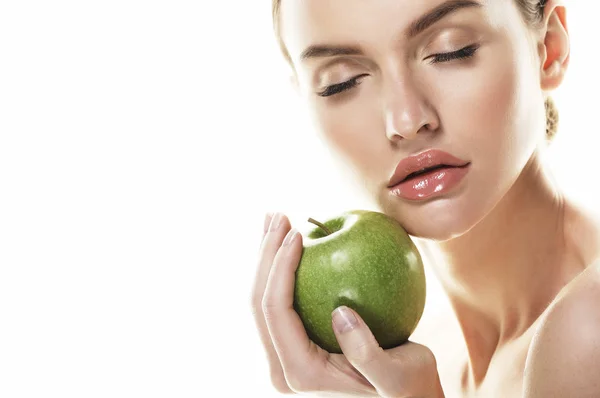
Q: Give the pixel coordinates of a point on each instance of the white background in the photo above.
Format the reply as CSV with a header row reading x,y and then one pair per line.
x,y
141,143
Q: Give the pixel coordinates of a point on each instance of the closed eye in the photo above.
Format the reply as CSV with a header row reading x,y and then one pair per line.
x,y
340,87
463,53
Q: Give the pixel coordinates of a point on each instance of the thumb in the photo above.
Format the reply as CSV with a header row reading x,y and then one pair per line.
x,y
364,352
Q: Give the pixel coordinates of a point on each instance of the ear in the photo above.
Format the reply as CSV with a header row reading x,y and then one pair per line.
x,y
554,46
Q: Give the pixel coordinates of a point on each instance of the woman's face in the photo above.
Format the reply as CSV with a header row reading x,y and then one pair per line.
x,y
483,103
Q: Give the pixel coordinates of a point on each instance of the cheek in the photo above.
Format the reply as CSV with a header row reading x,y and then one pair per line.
x,y
353,129
489,114
477,104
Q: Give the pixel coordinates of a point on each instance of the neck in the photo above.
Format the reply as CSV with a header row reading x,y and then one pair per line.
x,y
502,274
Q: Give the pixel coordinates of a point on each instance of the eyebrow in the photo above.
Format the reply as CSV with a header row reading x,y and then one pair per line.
x,y
431,17
437,14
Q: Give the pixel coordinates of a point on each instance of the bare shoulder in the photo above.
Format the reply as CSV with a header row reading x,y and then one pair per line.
x,y
564,355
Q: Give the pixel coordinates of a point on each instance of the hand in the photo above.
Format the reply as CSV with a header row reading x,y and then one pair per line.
x,y
297,365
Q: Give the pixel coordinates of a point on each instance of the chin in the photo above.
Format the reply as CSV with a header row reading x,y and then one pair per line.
x,y
438,230
437,233
439,220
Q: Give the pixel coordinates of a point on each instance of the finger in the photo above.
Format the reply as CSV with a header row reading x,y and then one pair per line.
x,y
266,224
364,352
285,327
418,367
276,228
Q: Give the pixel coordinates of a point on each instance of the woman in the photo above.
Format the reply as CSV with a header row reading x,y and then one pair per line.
x,y
459,88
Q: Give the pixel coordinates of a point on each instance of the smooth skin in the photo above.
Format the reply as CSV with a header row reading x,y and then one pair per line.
x,y
517,258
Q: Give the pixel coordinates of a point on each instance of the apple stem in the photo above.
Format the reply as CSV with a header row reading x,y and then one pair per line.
x,y
321,225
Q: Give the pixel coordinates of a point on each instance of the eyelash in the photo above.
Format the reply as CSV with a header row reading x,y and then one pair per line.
x,y
463,53
338,88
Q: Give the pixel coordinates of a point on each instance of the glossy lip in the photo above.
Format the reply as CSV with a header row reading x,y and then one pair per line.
x,y
422,161
430,185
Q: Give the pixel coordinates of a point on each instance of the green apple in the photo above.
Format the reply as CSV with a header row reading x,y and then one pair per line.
x,y
364,260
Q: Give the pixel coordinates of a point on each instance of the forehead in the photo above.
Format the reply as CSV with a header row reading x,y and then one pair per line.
x,y
361,22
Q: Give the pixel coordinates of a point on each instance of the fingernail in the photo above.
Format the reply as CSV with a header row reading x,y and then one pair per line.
x,y
268,217
289,238
344,320
275,222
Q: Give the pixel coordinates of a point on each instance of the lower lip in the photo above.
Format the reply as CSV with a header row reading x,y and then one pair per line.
x,y
432,184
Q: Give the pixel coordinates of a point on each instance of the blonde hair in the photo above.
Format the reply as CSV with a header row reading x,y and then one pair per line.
x,y
533,14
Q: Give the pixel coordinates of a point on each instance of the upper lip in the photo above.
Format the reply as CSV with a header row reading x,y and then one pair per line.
x,y
423,161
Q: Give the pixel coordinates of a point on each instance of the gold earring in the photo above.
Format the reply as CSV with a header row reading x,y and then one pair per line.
x,y
551,119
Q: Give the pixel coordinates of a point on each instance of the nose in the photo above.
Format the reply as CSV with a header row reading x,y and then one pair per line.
x,y
407,112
